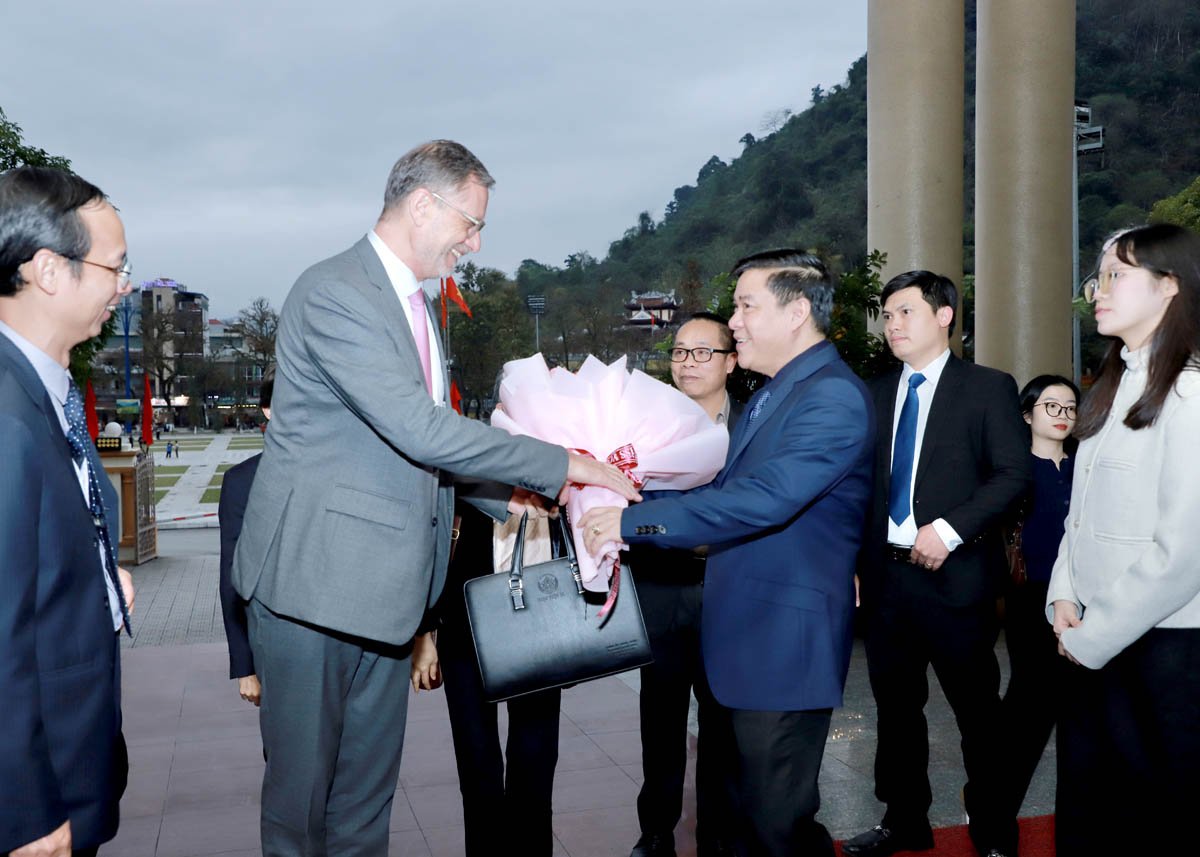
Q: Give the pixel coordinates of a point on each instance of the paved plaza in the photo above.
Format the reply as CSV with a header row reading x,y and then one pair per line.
x,y
188,483
196,759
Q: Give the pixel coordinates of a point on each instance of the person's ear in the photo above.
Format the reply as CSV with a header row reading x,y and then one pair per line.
x,y
420,206
1028,415
945,315
1169,285
45,271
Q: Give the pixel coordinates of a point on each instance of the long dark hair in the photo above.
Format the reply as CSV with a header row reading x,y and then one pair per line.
x,y
1165,250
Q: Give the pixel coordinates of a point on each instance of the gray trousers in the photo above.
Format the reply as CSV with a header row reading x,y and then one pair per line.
x,y
332,717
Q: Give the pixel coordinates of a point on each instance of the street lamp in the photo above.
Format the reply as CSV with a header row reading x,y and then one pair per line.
x,y
537,308
126,310
1088,139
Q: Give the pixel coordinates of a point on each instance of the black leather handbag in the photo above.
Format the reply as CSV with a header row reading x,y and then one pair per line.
x,y
537,627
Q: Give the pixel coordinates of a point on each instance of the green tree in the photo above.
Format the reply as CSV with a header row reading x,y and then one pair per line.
x,y
1182,209
15,152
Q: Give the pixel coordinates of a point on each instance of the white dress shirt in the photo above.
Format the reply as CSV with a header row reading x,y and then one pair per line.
x,y
405,283
57,382
905,533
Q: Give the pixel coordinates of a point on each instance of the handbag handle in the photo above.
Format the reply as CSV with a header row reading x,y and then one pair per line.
x,y
516,582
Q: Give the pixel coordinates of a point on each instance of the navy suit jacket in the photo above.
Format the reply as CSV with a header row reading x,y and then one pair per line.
x,y
784,519
235,492
61,752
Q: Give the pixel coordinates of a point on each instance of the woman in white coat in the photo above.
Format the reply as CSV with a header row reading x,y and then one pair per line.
x,y
1124,594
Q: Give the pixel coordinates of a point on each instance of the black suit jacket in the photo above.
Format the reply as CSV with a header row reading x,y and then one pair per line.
x,y
61,752
974,466
235,492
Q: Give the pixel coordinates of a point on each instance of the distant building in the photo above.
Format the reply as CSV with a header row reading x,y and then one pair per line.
x,y
651,309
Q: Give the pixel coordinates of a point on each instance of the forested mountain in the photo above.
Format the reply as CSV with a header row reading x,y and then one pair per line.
x,y
1138,63
804,184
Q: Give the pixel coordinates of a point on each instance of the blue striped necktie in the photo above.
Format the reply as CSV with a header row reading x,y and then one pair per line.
x,y
81,450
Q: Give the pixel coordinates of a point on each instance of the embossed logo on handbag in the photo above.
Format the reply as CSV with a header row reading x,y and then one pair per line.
x,y
548,584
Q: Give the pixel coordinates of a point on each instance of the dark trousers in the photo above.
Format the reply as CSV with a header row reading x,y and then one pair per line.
x,y
1030,705
672,615
778,762
910,629
1129,749
333,713
506,809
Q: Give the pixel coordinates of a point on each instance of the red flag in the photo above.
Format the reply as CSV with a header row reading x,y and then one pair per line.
x,y
89,411
455,295
455,396
445,316
147,411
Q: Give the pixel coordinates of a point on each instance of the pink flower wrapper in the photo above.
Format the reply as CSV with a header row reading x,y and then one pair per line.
x,y
599,409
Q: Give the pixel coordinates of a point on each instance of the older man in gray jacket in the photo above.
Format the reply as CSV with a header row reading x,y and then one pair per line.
x,y
347,531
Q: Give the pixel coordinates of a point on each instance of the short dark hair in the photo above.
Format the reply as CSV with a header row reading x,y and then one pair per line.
x,y
39,209
720,321
1032,391
796,274
439,166
937,290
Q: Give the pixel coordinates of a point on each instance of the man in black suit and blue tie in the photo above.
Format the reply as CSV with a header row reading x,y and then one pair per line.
x,y
951,459
783,520
63,763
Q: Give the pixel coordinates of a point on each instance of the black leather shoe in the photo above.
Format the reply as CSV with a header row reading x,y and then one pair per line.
x,y
881,841
654,845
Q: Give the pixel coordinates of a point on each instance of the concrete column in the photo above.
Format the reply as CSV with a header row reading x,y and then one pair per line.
x,y
915,67
1024,134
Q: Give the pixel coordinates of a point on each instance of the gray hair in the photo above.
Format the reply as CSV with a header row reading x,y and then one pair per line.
x,y
795,274
39,209
439,165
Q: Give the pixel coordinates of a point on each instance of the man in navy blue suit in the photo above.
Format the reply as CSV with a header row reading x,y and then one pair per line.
x,y
235,493
783,520
62,757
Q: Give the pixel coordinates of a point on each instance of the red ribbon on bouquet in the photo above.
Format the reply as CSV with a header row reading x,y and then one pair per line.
x,y
624,458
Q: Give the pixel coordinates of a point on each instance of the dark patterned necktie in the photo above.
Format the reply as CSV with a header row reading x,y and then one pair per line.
x,y
82,450
760,401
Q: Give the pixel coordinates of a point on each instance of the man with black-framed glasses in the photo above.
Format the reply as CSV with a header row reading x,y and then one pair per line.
x,y
671,589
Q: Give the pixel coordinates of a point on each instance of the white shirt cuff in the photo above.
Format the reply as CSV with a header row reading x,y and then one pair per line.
x,y
946,533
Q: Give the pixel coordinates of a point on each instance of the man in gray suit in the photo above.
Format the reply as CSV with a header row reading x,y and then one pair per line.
x,y
347,529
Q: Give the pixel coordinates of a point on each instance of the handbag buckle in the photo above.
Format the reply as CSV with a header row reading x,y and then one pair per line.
x,y
516,591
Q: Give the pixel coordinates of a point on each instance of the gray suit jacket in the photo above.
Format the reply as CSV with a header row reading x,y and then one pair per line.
x,y
348,522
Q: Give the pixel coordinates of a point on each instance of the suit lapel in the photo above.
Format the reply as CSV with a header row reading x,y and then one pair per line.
x,y
28,377
885,409
941,409
397,320
816,359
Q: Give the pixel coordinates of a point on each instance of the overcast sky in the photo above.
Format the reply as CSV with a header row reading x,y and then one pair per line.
x,y
244,141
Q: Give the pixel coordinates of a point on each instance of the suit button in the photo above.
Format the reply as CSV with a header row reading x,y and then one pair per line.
x,y
435,520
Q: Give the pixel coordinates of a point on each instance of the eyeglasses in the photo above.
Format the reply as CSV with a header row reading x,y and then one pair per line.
x,y
1054,409
476,224
700,355
1100,286
124,273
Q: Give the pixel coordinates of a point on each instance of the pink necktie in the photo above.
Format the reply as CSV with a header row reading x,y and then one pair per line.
x,y
421,334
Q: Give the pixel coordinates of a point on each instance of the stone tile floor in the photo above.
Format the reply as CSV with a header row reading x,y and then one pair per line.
x,y
196,758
